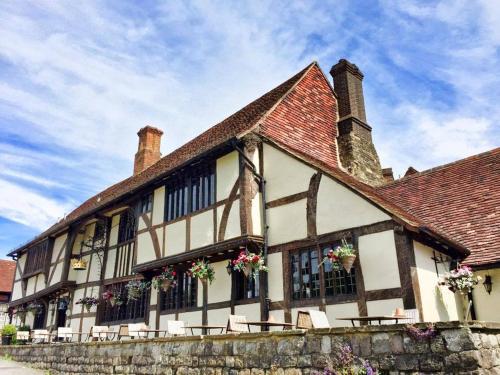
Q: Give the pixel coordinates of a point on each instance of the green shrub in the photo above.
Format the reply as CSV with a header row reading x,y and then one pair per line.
x,y
8,330
24,328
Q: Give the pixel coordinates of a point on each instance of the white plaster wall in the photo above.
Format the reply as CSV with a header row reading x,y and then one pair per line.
x,y
227,171
59,245
57,273
377,254
164,319
145,248
77,244
384,307
438,303
284,174
158,205
39,282
483,301
30,288
191,318
87,324
17,291
22,262
257,214
113,234
341,310
218,317
94,270
110,264
220,290
339,208
175,238
202,229
278,316
141,224
287,222
233,228
251,311
275,278
152,320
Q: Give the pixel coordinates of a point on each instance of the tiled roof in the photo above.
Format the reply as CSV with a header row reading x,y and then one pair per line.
x,y
7,272
240,122
461,199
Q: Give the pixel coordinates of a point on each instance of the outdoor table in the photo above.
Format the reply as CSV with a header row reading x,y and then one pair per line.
x,y
153,330
105,338
206,327
49,335
266,324
370,319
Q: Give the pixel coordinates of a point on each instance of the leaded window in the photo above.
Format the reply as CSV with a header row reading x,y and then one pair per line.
x,y
129,310
145,204
305,274
190,191
127,226
246,287
181,296
338,282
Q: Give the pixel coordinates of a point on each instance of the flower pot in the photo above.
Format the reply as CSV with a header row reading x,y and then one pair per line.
x,y
6,340
166,284
347,262
88,307
247,270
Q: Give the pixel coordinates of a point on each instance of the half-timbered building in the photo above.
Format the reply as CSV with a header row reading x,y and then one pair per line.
x,y
289,175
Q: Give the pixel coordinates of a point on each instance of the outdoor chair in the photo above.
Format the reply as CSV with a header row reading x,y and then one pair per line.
x,y
312,319
23,336
133,330
65,333
41,336
98,333
175,328
237,323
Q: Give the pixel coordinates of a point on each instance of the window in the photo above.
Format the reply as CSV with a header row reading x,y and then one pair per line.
x,y
129,311
182,295
306,276
338,282
190,192
245,287
127,227
145,204
37,258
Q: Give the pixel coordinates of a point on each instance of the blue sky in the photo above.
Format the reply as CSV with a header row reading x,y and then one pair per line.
x,y
78,79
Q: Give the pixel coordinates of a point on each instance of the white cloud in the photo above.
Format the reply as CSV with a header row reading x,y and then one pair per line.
x,y
29,208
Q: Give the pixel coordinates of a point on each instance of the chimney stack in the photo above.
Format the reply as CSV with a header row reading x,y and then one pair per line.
x,y
356,150
148,151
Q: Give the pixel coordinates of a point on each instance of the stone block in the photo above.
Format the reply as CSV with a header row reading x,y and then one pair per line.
x,y
381,343
431,363
457,340
414,346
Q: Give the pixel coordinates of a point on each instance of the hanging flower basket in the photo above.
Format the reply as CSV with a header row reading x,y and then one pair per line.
x,y
166,279
249,263
135,289
79,264
35,308
461,280
343,255
88,302
202,270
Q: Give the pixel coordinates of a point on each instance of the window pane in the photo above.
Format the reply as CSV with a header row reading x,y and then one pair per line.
x,y
295,277
338,282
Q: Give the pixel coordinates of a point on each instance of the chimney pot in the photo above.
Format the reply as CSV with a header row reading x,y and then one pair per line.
x,y
148,151
388,174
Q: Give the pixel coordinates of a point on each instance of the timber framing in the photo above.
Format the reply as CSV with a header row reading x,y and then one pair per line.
x,y
58,288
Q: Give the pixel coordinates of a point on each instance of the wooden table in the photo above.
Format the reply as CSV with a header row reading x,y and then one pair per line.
x,y
267,324
206,327
152,330
370,319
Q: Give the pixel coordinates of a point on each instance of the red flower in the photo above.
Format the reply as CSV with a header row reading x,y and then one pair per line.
x,y
255,259
174,273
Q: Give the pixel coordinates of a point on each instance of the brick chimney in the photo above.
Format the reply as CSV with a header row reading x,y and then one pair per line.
x,y
148,152
356,150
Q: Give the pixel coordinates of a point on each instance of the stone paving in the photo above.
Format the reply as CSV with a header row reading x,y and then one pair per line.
x,y
15,368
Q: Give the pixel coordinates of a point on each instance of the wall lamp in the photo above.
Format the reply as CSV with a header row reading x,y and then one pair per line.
x,y
488,285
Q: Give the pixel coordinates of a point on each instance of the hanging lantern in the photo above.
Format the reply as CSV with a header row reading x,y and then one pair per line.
x,y
62,304
488,284
229,268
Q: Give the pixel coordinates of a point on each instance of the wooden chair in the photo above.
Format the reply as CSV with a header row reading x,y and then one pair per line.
x,y
175,328
312,319
237,323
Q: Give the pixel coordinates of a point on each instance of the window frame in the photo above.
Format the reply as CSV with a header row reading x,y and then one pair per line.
x,y
322,296
131,227
183,301
133,308
145,204
182,191
249,284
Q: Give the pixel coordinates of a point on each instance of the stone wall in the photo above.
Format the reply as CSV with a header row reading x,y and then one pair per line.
x,y
457,349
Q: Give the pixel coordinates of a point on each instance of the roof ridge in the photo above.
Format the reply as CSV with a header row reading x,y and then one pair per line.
x,y
440,167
